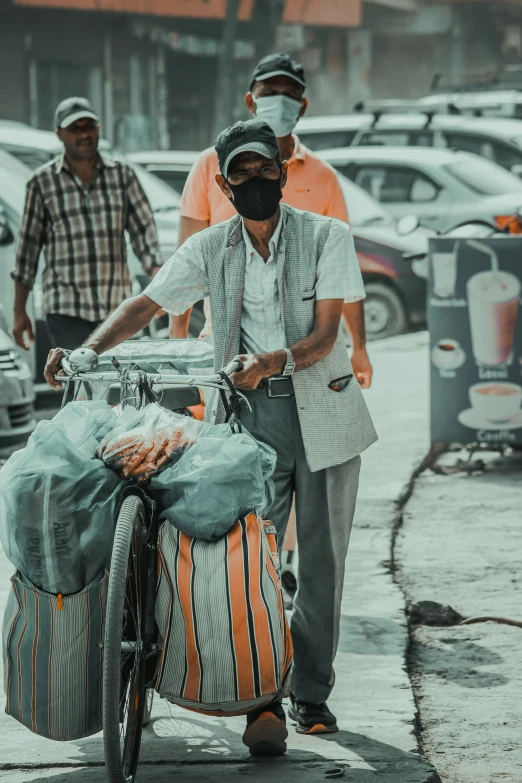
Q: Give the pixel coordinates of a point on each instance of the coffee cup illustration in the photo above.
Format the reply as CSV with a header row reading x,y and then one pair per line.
x,y
448,354
493,299
496,401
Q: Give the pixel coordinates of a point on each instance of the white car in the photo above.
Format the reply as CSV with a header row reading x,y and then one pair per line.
x,y
441,187
498,139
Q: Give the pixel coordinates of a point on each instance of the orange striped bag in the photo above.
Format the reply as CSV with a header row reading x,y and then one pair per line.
x,y
226,641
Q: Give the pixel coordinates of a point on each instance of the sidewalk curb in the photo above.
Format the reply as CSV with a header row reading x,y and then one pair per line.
x,y
426,463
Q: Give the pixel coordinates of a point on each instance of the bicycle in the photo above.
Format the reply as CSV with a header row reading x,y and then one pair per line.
x,y
131,645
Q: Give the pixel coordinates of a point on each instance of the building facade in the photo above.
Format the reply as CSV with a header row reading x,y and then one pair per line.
x,y
150,66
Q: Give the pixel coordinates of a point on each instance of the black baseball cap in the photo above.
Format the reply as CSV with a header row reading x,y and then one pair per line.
x,y
279,64
72,109
249,136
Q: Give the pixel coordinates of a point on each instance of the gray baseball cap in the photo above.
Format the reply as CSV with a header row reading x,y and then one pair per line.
x,y
249,136
72,109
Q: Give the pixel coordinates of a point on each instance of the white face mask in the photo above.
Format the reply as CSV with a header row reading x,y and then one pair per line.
x,y
278,111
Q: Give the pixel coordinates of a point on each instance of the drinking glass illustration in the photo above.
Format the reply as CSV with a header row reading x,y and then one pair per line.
x,y
445,272
493,298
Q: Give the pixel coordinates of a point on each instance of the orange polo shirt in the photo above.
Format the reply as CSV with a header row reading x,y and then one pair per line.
x,y
312,185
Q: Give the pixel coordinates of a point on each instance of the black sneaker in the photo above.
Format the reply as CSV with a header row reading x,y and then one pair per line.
x,y
311,718
266,731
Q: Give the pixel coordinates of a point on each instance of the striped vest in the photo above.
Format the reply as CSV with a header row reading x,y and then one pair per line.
x,y
336,426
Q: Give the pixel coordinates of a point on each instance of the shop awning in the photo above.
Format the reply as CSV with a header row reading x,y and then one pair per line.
x,y
334,13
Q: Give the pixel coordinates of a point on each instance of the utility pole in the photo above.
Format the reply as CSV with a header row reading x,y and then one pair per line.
x,y
225,83
267,16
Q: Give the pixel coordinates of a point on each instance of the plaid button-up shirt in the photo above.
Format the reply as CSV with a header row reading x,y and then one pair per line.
x,y
82,232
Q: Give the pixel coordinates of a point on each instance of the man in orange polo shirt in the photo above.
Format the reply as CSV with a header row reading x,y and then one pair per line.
x,y
277,97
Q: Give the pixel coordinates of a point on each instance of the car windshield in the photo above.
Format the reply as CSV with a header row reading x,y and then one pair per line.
x,y
483,177
362,208
162,198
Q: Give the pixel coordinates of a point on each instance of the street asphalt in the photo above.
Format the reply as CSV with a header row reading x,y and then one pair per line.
x,y
373,698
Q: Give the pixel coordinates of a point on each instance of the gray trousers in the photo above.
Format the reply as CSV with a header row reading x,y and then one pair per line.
x,y
324,505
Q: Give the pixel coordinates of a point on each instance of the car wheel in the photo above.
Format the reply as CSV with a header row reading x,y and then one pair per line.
x,y
384,312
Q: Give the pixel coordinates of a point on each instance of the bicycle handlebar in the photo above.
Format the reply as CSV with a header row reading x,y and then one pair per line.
x,y
234,366
212,381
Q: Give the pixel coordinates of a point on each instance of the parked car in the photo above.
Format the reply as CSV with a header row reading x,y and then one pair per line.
x,y
393,265
441,187
171,166
17,396
497,139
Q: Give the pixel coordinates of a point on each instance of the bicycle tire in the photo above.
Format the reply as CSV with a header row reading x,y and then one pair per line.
x,y
122,738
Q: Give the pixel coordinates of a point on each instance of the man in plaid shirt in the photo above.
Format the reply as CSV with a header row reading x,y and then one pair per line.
x,y
77,209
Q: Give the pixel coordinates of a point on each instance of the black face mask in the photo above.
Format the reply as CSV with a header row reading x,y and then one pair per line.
x,y
257,198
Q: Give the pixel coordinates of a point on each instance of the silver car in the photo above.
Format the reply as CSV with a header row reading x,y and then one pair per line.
x,y
441,187
497,139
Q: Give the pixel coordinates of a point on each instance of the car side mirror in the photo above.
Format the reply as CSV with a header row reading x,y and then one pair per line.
x,y
517,169
407,225
6,235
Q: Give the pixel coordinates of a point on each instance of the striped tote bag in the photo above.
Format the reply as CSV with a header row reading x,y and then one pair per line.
x,y
52,651
226,642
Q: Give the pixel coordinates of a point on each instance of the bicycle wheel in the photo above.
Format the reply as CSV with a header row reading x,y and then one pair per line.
x,y
125,645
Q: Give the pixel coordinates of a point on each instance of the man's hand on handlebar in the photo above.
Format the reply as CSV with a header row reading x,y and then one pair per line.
x,y
53,367
252,373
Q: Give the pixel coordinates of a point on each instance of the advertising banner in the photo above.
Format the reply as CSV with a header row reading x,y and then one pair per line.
x,y
475,324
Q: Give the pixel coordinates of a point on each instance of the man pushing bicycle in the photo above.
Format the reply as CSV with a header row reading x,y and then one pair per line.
x,y
277,279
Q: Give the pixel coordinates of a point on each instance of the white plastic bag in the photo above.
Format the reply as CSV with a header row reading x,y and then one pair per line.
x,y
85,423
57,510
223,477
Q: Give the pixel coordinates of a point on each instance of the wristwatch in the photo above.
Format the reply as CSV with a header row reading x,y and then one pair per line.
x,y
289,367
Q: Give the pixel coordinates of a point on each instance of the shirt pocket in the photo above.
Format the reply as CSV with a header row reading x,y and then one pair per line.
x,y
309,295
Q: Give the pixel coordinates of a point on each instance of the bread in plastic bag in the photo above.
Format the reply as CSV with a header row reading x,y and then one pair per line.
x,y
146,439
58,506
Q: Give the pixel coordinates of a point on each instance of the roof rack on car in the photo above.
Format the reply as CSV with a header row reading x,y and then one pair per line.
x,y
392,106
507,77
429,108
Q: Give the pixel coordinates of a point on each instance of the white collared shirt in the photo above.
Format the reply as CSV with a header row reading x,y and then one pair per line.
x,y
262,327
182,281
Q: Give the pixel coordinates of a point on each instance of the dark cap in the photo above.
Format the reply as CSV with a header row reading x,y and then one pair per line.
x,y
72,109
250,136
278,65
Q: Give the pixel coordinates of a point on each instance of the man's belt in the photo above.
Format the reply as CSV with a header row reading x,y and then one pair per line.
x,y
277,386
